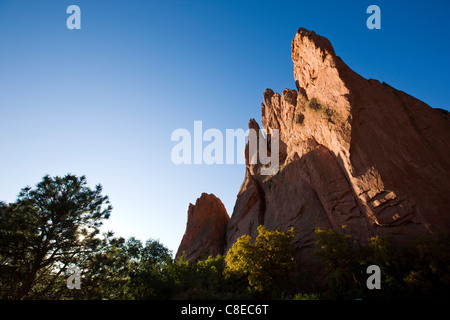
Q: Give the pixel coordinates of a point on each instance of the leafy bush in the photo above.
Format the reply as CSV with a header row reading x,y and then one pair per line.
x,y
205,280
315,105
420,269
267,262
300,118
56,225
329,113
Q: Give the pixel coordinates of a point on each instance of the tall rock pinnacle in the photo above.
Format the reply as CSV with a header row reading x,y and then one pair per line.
x,y
205,229
353,152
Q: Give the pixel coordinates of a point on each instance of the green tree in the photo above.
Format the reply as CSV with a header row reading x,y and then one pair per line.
x,y
105,272
125,269
205,279
267,262
48,228
418,269
345,258
426,268
149,270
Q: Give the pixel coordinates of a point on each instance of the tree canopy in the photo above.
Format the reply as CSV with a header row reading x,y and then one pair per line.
x,y
46,230
55,226
267,261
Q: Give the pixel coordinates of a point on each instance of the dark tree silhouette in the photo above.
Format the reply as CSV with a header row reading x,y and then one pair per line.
x,y
46,230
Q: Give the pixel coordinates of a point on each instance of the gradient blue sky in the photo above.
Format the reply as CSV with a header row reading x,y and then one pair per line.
x,y
103,101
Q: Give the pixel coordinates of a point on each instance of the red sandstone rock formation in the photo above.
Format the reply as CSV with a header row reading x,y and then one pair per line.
x,y
205,229
353,152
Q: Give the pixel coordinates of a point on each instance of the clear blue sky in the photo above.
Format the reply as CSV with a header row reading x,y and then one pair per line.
x,y
103,101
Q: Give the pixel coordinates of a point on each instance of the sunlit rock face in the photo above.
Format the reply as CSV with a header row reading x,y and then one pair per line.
x,y
353,151
205,229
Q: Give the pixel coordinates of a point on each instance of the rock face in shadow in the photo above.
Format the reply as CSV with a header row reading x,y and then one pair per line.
x,y
205,230
353,152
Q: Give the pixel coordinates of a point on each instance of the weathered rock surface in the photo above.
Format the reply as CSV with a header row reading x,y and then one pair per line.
x,y
353,152
205,230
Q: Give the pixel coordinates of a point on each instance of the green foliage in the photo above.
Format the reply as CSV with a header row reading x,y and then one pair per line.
x,y
343,256
329,113
202,279
56,225
149,270
307,296
267,262
429,269
300,118
105,273
47,229
418,270
314,104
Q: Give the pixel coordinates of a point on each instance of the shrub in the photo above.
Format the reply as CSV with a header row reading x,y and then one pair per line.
x,y
329,113
300,118
267,262
315,105
417,270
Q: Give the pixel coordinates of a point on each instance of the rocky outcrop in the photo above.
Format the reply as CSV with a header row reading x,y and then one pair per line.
x,y
205,229
353,151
